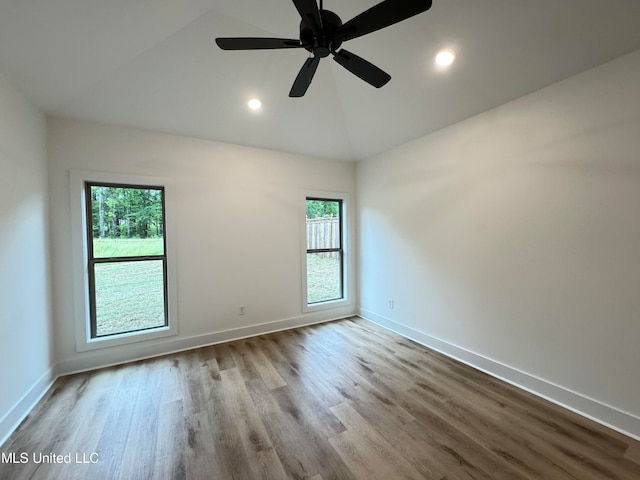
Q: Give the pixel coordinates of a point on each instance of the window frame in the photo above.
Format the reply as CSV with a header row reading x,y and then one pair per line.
x,y
82,244
345,248
92,260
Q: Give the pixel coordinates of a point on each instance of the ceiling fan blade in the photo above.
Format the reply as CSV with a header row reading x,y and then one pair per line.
x,y
308,10
253,43
303,80
380,16
361,68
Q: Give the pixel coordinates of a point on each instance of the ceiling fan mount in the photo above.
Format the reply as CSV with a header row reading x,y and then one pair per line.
x,y
322,34
321,44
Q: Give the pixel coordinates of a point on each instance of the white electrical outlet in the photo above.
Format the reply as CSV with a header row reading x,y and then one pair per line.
x,y
390,303
241,309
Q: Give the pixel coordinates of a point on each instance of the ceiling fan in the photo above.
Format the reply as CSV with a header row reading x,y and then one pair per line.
x,y
322,33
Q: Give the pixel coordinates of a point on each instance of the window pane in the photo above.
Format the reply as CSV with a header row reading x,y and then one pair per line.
x,y
324,277
129,296
323,224
126,222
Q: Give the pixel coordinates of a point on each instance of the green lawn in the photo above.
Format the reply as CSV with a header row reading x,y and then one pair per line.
x,y
323,278
129,295
129,247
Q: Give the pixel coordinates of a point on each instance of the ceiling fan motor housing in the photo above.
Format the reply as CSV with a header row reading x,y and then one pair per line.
x,y
321,45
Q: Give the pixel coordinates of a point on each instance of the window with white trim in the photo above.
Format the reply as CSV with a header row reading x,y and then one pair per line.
x,y
325,245
121,251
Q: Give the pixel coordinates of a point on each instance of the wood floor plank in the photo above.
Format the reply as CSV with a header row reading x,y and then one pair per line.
x,y
385,421
240,356
265,368
346,400
312,407
200,452
254,439
366,451
303,451
223,357
633,454
314,372
169,461
218,441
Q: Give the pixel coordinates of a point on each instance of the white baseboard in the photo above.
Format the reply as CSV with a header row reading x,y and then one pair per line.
x,y
140,351
16,414
623,422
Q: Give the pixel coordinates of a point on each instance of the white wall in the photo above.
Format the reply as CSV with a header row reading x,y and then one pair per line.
x,y
25,317
515,236
238,215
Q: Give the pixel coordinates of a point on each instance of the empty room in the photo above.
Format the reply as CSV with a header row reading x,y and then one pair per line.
x,y
274,239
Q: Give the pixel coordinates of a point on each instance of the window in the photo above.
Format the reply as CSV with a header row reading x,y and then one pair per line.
x,y
126,258
124,272
325,252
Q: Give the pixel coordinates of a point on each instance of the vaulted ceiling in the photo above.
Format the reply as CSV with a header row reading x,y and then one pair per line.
x,y
153,64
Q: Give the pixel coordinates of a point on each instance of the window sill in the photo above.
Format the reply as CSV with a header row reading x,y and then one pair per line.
x,y
314,307
125,339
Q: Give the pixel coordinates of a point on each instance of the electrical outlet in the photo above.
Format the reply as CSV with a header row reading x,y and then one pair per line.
x,y
241,309
390,303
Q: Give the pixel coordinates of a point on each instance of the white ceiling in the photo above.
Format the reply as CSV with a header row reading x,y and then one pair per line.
x,y
154,64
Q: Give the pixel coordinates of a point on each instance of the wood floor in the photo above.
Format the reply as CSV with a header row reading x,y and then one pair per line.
x,y
343,400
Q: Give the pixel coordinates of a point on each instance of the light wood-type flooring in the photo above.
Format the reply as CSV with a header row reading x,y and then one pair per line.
x,y
341,400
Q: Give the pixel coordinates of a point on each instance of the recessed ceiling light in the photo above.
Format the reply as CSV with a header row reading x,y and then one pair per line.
x,y
444,58
254,104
